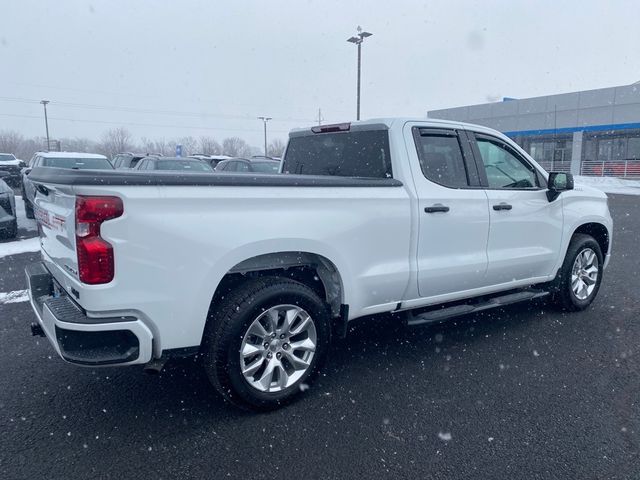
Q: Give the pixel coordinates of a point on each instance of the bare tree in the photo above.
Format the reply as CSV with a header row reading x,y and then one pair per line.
x,y
189,145
236,147
10,141
78,145
275,148
155,146
209,146
115,141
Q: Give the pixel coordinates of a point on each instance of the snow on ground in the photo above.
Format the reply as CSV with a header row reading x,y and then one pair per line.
x,y
610,184
14,297
20,246
23,221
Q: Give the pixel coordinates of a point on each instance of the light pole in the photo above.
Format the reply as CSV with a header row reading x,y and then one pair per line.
x,y
358,39
46,122
264,121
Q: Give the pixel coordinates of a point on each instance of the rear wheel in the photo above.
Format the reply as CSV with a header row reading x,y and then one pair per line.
x,y
580,276
265,340
28,208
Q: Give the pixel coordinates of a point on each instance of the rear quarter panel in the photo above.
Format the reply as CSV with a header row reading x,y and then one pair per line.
x,y
174,244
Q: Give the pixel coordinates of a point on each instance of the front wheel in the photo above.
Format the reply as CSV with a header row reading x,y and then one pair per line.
x,y
266,341
28,208
580,276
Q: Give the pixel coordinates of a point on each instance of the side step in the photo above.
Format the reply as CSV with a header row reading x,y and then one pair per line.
x,y
438,314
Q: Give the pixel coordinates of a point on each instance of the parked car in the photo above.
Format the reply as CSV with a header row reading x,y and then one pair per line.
x,y
8,216
69,160
10,164
424,219
174,164
129,160
245,165
212,160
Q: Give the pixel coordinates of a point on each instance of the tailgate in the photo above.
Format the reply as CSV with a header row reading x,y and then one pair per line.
x,y
54,209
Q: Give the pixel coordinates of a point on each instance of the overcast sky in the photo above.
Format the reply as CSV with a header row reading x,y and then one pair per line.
x,y
166,69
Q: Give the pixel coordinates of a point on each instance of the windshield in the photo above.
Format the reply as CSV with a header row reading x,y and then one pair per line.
x,y
265,167
194,166
79,163
6,156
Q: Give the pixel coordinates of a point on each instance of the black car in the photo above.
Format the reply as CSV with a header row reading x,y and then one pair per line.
x,y
10,164
8,217
180,164
245,165
128,160
212,160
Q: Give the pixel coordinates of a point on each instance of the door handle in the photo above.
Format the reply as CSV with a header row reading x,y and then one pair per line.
x,y
438,207
502,206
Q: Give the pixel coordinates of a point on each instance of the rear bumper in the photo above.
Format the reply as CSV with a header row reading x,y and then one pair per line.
x,y
78,338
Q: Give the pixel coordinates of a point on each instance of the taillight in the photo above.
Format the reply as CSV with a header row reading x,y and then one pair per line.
x,y
95,255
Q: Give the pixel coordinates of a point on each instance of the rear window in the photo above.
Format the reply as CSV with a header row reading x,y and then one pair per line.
x,y
79,163
192,166
348,154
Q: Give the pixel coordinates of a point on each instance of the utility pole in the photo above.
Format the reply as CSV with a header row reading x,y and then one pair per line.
x,y
358,39
264,121
320,116
46,122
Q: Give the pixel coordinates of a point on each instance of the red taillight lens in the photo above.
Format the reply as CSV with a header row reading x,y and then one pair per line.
x,y
95,255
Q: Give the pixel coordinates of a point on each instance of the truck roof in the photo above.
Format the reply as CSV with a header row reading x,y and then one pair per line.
x,y
387,122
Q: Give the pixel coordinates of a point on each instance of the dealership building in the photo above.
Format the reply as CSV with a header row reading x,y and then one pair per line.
x,y
593,132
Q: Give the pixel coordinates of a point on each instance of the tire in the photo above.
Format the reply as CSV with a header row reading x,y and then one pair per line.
x,y
12,231
28,208
563,293
231,328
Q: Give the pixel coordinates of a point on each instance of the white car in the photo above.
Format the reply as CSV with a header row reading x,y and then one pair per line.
x,y
71,160
257,272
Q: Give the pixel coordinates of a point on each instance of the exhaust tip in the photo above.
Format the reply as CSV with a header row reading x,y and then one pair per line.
x,y
154,367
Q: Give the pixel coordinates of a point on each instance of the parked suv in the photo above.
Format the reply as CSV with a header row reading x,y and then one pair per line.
x,y
129,160
245,165
8,217
70,160
182,164
10,164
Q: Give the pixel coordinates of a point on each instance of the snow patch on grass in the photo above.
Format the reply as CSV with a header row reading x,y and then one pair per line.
x,y
20,246
14,297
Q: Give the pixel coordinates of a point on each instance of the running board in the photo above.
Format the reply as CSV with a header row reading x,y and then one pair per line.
x,y
442,313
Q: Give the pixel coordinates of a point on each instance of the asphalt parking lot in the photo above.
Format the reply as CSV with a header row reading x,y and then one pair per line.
x,y
525,392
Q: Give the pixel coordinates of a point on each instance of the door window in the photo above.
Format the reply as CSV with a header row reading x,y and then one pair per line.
x,y
505,169
441,157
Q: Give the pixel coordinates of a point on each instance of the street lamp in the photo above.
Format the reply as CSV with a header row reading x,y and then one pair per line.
x,y
46,122
358,39
264,121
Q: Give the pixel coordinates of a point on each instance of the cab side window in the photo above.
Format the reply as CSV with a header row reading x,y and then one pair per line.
x,y
441,157
504,168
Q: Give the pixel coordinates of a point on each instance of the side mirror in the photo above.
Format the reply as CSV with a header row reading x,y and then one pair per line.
x,y
27,171
558,182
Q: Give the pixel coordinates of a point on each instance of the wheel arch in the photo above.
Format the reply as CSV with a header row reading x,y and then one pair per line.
x,y
310,268
598,231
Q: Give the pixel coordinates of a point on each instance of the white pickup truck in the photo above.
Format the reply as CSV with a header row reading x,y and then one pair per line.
x,y
423,218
